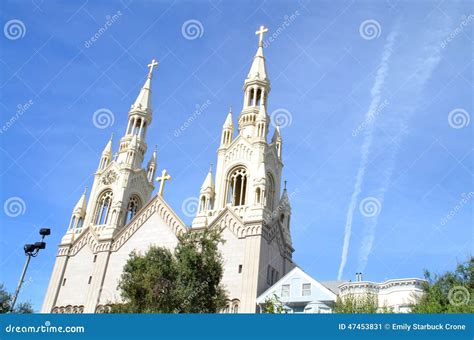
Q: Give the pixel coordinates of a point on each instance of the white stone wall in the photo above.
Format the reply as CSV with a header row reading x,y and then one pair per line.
x,y
78,270
154,232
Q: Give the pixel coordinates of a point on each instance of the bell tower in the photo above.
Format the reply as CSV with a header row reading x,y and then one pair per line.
x,y
248,171
122,186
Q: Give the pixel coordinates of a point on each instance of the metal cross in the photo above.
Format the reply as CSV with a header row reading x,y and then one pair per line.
x,y
164,177
151,66
260,33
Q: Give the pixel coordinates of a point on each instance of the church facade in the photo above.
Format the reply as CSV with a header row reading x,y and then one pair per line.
x,y
243,199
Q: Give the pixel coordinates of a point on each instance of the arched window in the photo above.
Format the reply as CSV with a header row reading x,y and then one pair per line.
x,y
237,187
73,222
259,96
79,222
235,306
270,191
136,128
202,206
258,194
103,207
132,208
251,96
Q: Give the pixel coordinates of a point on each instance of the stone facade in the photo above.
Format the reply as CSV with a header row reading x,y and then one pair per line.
x,y
243,200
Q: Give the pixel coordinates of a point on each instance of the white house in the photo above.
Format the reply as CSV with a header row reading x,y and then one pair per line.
x,y
300,293
396,294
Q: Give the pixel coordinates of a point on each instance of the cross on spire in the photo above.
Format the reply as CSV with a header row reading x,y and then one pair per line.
x,y
260,33
151,66
164,177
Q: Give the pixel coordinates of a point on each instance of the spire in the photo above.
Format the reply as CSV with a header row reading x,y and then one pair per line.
x,y
153,156
108,147
80,206
208,181
258,69
143,101
276,135
228,121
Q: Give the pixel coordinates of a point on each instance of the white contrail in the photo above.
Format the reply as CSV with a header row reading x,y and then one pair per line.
x,y
427,59
375,92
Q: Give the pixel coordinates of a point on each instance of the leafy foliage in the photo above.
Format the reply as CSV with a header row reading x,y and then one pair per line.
x,y
273,305
186,281
354,304
6,302
451,292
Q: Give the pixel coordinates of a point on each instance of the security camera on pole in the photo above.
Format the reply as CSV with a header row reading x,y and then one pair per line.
x,y
31,250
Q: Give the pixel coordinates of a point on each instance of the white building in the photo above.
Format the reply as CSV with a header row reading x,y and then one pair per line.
x,y
243,199
398,295
300,293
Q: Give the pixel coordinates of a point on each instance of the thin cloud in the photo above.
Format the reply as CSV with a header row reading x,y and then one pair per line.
x,y
427,59
376,94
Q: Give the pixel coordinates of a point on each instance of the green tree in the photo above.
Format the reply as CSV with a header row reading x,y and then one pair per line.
x,y
6,302
450,292
185,281
352,304
272,305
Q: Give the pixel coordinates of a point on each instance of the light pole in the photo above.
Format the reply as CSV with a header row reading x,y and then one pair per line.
x,y
31,250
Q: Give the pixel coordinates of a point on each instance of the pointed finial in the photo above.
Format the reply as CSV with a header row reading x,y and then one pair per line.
x,y
230,109
151,66
112,136
285,184
260,33
210,167
85,190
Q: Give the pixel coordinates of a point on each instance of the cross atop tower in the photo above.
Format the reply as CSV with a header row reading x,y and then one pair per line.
x,y
164,177
151,66
260,33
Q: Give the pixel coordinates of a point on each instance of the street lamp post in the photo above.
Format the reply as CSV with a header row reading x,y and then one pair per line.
x,y
31,250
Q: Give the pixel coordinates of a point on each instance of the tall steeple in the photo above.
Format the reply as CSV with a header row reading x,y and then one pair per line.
x,y
122,186
139,118
256,89
227,130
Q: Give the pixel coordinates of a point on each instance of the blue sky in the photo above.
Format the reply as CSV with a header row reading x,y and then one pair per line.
x,y
377,97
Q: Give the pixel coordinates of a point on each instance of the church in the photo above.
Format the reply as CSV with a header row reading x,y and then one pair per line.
x,y
243,198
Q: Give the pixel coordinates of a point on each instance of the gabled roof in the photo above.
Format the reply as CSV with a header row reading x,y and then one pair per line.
x,y
327,294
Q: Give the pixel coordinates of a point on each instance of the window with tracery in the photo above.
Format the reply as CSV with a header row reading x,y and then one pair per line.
x,y
103,207
132,208
237,187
